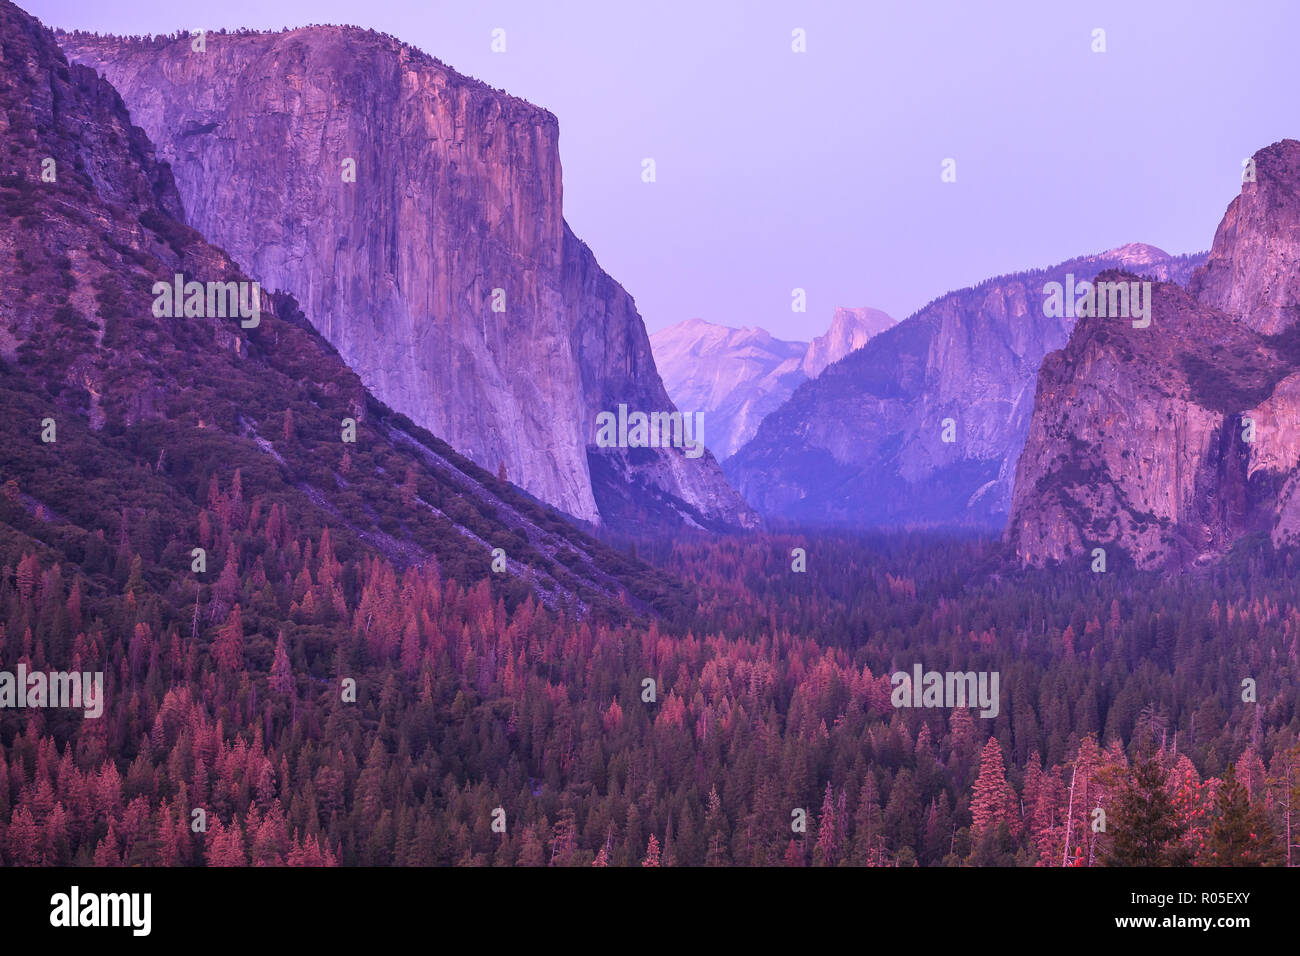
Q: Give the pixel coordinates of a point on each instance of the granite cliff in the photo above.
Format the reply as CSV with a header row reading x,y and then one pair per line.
x,y
132,434
1254,267
417,216
1172,442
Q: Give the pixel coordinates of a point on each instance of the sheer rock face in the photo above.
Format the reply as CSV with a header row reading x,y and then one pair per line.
x,y
1172,442
445,274
1167,443
153,413
864,443
1254,267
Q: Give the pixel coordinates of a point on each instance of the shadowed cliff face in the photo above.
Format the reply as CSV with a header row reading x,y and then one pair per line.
x,y
1170,443
864,443
445,274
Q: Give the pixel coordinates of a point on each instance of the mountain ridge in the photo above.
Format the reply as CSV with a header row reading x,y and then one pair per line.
x,y
863,444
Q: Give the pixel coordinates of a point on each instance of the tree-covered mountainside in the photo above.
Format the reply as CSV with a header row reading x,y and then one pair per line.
x,y
770,737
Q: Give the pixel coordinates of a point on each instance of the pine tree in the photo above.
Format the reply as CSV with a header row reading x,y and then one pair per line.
x,y
938,830
1145,827
902,812
228,648
1284,780
106,854
225,844
563,838
715,823
1240,834
868,824
281,674
651,852
993,801
825,851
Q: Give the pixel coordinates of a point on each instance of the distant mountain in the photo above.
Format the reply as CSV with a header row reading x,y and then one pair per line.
x,y
417,216
131,437
850,330
1171,442
737,376
924,424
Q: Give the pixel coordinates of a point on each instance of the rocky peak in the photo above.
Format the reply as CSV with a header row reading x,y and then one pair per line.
x,y
735,376
738,376
1254,267
1131,257
850,330
1171,442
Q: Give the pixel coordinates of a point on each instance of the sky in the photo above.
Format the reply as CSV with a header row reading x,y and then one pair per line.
x,y
823,170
